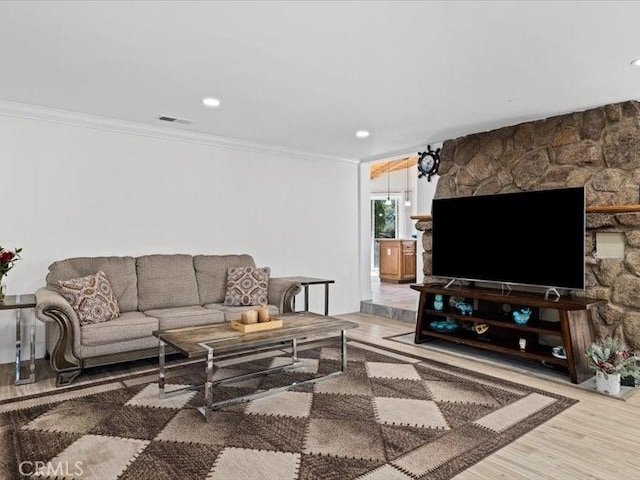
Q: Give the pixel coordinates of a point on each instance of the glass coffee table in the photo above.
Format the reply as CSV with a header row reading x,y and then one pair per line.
x,y
216,342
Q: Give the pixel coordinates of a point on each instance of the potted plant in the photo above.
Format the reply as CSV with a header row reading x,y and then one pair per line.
x,y
611,360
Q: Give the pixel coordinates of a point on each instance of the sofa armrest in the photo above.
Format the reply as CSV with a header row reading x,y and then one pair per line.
x,y
281,292
47,300
53,307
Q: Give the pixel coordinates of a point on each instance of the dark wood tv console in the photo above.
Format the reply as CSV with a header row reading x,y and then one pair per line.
x,y
493,308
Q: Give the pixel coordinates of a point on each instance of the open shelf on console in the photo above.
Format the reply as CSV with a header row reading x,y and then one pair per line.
x,y
535,326
501,345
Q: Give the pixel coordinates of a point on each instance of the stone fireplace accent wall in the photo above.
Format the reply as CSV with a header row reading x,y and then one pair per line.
x,y
597,148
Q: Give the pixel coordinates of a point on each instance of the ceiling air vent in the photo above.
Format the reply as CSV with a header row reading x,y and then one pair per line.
x,y
181,121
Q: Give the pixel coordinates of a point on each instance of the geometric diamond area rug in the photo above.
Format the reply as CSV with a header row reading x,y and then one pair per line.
x,y
392,416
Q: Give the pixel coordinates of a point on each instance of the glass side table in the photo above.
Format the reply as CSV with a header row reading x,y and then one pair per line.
x,y
305,282
19,303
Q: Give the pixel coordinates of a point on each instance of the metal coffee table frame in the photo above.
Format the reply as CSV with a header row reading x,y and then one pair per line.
x,y
273,344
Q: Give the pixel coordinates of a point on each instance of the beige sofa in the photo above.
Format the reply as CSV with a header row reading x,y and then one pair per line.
x,y
153,292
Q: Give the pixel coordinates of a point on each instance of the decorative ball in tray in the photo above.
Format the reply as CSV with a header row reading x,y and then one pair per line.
x,y
444,326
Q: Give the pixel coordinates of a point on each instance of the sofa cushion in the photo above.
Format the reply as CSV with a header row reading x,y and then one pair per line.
x,y
211,274
124,346
91,297
166,281
128,326
235,313
246,286
185,317
121,272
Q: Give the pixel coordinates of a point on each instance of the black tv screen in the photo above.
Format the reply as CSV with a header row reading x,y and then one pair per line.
x,y
525,238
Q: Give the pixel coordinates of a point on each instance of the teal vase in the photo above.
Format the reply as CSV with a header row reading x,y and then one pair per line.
x,y
438,304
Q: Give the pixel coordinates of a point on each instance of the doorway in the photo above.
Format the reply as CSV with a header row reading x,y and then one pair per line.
x,y
384,224
398,179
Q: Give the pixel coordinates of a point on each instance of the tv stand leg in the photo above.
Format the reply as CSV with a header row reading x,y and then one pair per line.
x,y
451,282
424,339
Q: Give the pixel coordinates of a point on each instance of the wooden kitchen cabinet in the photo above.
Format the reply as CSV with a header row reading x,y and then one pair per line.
x,y
397,260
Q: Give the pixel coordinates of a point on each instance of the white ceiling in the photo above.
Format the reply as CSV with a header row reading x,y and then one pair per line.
x,y
306,75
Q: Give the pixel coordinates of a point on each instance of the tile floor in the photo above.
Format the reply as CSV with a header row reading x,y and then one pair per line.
x,y
392,300
398,295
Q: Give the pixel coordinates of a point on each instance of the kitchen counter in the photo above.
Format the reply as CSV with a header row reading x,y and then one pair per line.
x,y
397,260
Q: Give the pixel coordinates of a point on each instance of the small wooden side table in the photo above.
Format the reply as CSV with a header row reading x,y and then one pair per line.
x,y
305,282
19,303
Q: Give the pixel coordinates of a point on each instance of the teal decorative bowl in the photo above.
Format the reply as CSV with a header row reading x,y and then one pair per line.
x,y
444,326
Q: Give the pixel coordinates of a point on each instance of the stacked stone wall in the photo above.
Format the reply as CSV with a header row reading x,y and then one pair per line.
x,y
598,149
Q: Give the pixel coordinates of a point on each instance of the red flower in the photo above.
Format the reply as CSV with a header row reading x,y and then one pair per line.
x,y
6,256
7,259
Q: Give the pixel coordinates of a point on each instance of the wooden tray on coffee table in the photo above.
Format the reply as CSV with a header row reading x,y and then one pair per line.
x,y
256,327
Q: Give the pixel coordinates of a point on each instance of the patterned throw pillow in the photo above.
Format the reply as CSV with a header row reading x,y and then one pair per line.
x,y
91,297
246,286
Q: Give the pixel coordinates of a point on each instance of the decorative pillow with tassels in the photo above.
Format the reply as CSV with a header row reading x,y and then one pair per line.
x,y
91,297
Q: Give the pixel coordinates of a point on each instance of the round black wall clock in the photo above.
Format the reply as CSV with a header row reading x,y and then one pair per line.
x,y
428,163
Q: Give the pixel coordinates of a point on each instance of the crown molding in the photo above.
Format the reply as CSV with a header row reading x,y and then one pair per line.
x,y
65,117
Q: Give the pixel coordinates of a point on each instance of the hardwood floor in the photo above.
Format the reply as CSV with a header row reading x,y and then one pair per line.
x,y
598,438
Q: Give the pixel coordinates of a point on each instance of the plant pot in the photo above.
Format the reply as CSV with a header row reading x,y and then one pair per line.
x,y
610,385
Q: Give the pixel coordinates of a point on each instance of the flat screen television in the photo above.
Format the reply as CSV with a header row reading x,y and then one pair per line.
x,y
533,238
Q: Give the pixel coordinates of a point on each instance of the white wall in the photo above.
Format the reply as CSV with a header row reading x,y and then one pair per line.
x,y
364,186
69,191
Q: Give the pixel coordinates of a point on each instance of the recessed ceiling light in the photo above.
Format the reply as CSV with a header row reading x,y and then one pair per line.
x,y
211,102
636,62
362,134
